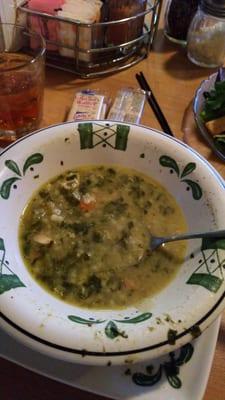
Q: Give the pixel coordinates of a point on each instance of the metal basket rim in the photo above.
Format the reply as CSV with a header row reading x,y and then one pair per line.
x,y
148,10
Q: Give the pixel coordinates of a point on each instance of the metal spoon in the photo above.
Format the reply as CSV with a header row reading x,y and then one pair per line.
x,y
155,241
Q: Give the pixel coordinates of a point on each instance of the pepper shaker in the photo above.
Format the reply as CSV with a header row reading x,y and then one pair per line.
x,y
206,35
178,16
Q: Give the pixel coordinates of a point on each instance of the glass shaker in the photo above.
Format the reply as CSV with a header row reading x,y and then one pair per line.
x,y
128,30
206,35
178,16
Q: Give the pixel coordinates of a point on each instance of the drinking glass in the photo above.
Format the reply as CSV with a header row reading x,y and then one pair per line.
x,y
22,62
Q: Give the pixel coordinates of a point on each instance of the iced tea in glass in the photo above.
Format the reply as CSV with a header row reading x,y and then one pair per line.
x,y
22,54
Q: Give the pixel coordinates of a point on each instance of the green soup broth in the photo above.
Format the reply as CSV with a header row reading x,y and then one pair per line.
x,y
83,235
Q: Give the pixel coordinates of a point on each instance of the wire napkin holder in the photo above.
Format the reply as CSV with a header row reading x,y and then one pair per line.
x,y
88,49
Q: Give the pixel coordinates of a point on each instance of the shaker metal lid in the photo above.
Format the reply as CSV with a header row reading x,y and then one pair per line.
x,y
214,7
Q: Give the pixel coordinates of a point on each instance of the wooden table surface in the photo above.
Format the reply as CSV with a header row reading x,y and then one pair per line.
x,y
173,80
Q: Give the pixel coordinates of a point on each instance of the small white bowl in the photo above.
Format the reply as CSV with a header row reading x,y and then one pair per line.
x,y
187,306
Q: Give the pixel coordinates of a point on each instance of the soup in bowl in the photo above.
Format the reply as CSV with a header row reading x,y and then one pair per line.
x,y
79,203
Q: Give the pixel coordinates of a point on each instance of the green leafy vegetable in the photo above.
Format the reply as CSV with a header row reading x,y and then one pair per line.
x,y
171,336
214,106
195,331
219,141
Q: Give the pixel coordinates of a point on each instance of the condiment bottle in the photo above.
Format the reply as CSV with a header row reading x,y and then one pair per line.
x,y
128,30
206,35
178,16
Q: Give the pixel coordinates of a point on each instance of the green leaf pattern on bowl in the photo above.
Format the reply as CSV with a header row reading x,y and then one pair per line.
x,y
8,280
196,189
170,163
6,186
140,318
188,169
83,321
111,329
210,273
171,368
35,158
114,136
13,166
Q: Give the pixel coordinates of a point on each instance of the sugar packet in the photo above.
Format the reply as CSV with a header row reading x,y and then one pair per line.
x,y
88,105
128,105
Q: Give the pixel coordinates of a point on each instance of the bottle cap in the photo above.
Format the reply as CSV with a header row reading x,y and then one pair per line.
x,y
214,7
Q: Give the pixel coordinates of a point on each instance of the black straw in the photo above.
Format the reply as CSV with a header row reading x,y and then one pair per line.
x,y
153,103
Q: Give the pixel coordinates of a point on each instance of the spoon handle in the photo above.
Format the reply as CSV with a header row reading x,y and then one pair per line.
x,y
213,234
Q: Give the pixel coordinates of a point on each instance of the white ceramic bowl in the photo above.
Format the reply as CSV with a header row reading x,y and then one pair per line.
x,y
185,307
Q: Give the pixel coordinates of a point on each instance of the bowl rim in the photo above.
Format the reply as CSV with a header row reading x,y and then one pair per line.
x,y
104,354
204,321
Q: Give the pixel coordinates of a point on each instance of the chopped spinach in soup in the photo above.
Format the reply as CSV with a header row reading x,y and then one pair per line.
x,y
83,233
